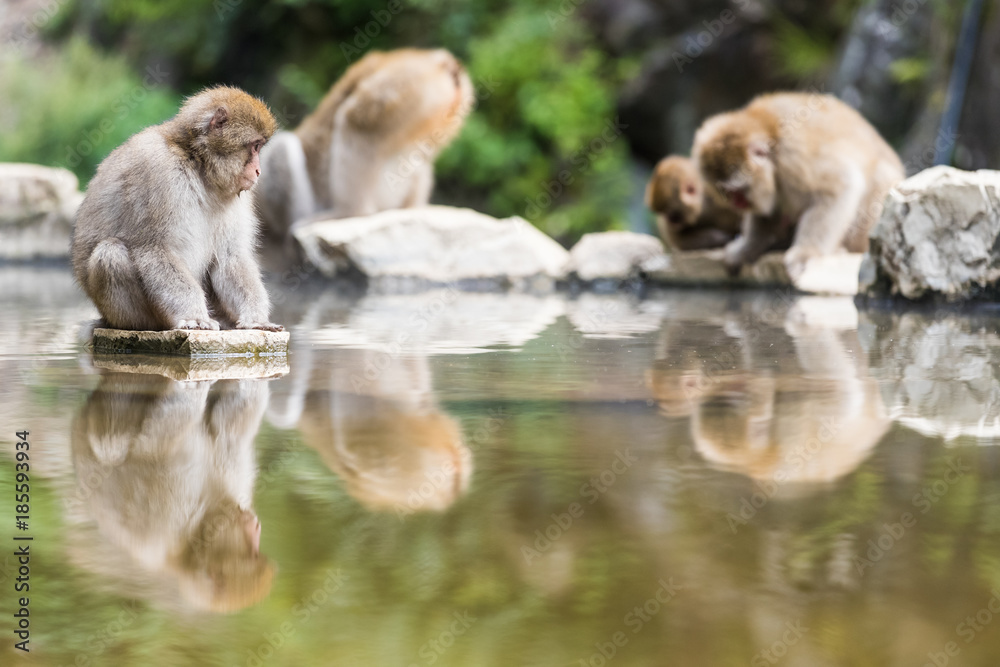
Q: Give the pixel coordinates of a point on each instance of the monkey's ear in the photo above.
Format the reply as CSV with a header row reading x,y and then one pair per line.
x,y
219,118
759,148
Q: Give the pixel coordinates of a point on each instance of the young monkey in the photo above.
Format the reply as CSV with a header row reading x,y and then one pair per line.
x,y
165,239
370,146
805,160
688,217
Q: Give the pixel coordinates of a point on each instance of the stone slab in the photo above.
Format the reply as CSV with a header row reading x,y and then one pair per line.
x,y
194,368
191,343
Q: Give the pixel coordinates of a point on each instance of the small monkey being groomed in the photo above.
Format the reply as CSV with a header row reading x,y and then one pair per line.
x,y
687,216
802,161
371,143
165,238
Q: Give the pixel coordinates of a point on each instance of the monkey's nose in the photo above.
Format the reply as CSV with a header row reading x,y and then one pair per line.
x,y
258,172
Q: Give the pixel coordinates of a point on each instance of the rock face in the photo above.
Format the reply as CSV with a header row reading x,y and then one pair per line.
x,y
433,245
613,256
832,275
192,343
37,205
939,237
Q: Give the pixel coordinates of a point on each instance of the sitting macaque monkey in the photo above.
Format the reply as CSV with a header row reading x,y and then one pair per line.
x,y
688,217
370,146
805,160
165,239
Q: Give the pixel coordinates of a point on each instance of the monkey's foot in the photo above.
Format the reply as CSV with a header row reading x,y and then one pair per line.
x,y
796,260
210,325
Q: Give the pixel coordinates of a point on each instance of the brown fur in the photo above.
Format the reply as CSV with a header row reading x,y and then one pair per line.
x,y
806,159
370,145
164,238
687,217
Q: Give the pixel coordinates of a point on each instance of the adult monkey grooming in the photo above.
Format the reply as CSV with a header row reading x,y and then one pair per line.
x,y
164,238
791,157
371,144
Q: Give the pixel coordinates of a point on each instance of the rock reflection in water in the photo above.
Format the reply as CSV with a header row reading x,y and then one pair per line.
x,y
780,395
166,471
939,373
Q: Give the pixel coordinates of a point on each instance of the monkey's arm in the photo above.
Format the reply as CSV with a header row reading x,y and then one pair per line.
x,y
758,235
421,186
240,291
824,226
172,289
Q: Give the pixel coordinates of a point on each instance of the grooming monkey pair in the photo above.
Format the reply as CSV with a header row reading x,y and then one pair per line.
x,y
165,237
790,170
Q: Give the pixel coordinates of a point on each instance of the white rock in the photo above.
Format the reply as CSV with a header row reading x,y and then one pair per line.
x,y
37,205
936,237
835,275
435,245
613,255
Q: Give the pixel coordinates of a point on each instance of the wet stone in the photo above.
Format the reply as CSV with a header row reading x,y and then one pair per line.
x,y
191,343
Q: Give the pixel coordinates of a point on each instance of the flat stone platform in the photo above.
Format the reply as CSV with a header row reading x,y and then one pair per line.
x,y
193,368
191,343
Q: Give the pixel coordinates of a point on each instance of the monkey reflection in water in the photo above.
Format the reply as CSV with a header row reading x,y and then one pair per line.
x,y
810,423
375,423
166,471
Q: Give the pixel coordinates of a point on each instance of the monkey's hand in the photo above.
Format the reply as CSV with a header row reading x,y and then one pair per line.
x,y
266,326
733,258
211,325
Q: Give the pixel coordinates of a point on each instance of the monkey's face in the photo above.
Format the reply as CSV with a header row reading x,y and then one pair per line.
x,y
675,192
251,170
732,421
737,163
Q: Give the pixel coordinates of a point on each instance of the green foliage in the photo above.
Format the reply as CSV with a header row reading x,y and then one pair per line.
x,y
801,53
543,142
910,70
74,108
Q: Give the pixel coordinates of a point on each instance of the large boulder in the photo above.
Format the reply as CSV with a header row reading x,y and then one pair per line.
x,y
938,238
37,205
433,245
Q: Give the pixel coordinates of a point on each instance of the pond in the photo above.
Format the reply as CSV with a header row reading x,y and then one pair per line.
x,y
445,478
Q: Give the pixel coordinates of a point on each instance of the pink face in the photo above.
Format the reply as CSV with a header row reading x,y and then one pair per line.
x,y
251,171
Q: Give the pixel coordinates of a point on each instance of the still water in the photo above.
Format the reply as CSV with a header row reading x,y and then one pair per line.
x,y
690,478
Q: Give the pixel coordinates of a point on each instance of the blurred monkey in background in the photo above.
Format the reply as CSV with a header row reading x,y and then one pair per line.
x,y
371,143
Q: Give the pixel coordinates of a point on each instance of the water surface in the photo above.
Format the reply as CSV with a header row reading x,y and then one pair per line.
x,y
689,478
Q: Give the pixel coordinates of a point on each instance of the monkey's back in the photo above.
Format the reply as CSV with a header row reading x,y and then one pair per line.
x,y
134,197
